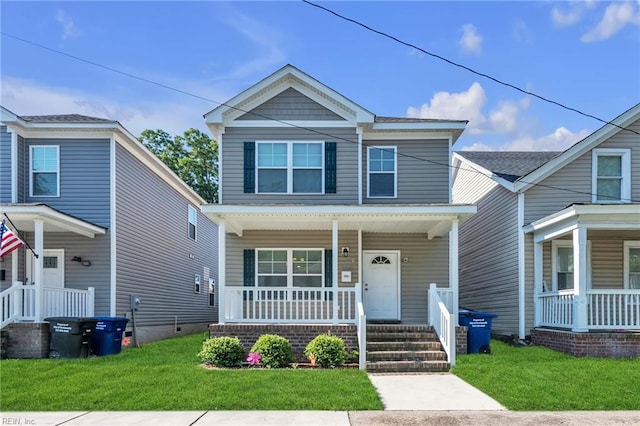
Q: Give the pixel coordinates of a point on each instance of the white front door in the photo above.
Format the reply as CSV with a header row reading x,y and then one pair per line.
x,y
52,268
381,273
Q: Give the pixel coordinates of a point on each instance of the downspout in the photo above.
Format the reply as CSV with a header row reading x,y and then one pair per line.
x,y
521,268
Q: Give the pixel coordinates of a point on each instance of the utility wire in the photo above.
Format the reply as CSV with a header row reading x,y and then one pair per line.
x,y
464,67
318,132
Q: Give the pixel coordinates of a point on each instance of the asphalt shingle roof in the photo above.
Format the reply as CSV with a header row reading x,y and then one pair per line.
x,y
509,165
65,118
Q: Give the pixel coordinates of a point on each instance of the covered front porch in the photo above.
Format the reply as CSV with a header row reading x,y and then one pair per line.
x,y
586,264
35,284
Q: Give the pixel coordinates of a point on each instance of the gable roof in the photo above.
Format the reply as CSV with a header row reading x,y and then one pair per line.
x,y
65,118
509,165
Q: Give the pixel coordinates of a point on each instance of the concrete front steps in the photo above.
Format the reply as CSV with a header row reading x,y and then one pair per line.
x,y
404,348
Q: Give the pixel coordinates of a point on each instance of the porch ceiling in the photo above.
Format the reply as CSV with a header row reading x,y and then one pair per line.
x,y
433,220
24,215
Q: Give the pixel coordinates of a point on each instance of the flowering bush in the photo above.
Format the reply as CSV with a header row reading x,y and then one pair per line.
x,y
274,351
254,359
222,352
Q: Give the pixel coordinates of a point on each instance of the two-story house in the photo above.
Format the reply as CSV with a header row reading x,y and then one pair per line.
x,y
328,215
108,222
555,247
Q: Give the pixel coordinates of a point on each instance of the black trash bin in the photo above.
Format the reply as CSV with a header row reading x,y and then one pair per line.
x,y
107,336
70,336
478,330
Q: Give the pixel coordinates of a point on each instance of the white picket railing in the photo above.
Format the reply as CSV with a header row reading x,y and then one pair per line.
x,y
291,305
443,322
68,302
555,309
613,309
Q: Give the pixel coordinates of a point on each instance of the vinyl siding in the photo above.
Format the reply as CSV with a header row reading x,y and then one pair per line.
x,y
5,165
422,171
154,251
290,105
576,176
23,185
84,178
529,287
488,249
233,164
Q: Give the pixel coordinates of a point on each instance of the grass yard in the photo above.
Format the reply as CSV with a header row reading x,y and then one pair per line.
x,y
166,375
536,378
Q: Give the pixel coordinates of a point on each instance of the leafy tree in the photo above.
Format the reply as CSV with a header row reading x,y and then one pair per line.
x,y
192,156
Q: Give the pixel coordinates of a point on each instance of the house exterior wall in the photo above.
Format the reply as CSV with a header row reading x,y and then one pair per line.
x,y
5,165
156,259
290,105
23,185
418,181
232,152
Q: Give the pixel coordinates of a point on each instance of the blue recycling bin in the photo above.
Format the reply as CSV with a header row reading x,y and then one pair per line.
x,y
107,335
478,330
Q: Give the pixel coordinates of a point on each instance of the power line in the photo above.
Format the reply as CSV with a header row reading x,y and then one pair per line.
x,y
318,132
464,67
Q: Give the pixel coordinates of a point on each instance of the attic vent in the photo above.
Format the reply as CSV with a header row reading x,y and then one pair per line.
x,y
380,260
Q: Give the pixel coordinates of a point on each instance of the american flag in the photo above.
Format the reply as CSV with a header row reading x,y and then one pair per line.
x,y
8,240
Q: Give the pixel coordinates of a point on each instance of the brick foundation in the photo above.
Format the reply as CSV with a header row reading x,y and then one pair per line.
x,y
461,339
594,344
26,340
298,335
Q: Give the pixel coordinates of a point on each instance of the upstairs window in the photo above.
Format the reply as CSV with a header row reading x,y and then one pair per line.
x,y
290,167
44,174
193,222
611,176
382,176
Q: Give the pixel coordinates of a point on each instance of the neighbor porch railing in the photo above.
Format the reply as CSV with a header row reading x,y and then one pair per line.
x,y
605,309
19,303
443,321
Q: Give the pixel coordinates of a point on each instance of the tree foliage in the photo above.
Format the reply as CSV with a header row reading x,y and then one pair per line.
x,y
192,156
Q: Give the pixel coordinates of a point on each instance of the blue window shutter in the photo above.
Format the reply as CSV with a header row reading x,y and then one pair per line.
x,y
330,168
249,167
249,271
328,271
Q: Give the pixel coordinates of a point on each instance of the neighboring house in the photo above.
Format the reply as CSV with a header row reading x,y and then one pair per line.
x,y
108,220
555,247
325,208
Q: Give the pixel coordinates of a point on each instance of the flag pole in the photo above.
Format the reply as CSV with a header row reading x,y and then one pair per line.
x,y
24,240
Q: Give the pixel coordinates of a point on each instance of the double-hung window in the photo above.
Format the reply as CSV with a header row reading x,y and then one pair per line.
x,y
562,266
193,222
382,176
44,174
632,265
290,167
611,175
290,267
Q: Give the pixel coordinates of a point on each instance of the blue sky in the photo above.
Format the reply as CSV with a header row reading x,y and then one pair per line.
x,y
585,54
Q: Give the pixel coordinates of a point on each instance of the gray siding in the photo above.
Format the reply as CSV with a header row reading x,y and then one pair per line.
x,y
290,105
233,164
576,176
428,262
5,165
22,184
529,288
423,172
84,178
153,250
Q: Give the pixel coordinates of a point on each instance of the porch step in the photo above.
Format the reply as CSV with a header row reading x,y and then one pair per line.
x,y
404,348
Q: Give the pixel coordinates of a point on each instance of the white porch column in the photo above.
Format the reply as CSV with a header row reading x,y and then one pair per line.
x,y
580,279
453,267
334,267
537,281
14,266
222,255
38,226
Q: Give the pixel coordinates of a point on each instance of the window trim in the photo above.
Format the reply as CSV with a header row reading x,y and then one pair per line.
x,y
395,171
555,244
626,246
625,185
289,273
190,208
31,171
290,167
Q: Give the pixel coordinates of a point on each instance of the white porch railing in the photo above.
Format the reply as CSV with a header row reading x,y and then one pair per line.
x,y
18,303
606,309
362,335
443,321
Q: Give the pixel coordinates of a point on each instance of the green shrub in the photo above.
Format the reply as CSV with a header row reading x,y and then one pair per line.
x,y
326,351
222,352
274,350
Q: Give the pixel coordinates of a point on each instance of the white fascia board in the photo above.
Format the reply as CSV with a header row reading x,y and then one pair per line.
x,y
503,182
438,125
336,210
599,216
289,123
45,213
578,149
420,136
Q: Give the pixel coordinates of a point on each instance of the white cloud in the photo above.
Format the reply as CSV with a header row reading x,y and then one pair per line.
x,y
69,28
521,32
470,41
616,17
572,13
504,119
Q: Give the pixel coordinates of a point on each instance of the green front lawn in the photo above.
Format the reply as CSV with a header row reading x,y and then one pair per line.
x,y
536,378
166,375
